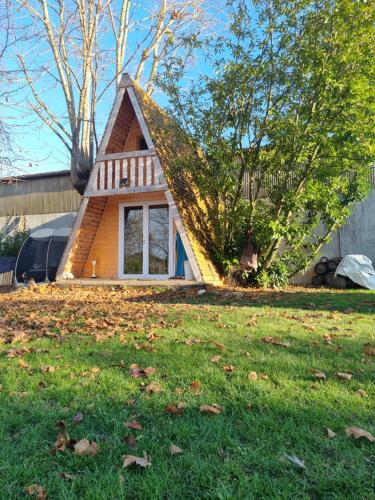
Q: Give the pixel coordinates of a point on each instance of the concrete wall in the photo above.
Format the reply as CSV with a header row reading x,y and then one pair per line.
x,y
357,236
37,221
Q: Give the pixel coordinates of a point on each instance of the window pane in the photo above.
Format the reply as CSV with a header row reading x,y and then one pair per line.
x,y
158,234
133,240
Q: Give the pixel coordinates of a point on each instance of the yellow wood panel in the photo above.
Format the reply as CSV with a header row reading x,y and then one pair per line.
x,y
105,245
135,132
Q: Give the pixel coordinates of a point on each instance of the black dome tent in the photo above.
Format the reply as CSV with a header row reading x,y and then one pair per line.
x,y
40,255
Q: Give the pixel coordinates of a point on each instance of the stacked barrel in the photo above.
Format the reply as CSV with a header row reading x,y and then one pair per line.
x,y
325,274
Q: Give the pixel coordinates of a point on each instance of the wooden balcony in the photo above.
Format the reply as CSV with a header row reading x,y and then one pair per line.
x,y
122,173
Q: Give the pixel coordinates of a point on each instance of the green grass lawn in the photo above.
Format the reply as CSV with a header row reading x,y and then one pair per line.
x,y
67,351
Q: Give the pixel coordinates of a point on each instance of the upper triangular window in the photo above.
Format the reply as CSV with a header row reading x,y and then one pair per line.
x,y
126,133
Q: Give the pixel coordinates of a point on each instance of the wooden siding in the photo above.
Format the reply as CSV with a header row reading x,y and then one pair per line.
x,y
85,236
104,247
135,133
39,195
121,127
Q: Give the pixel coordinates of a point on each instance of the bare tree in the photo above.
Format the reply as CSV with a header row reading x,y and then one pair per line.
x,y
78,49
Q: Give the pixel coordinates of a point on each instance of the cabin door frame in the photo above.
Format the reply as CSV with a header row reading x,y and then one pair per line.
x,y
145,274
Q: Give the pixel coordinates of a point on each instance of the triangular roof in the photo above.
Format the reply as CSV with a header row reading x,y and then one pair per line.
x,y
172,143
169,142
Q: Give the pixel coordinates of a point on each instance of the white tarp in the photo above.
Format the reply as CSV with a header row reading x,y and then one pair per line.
x,y
359,269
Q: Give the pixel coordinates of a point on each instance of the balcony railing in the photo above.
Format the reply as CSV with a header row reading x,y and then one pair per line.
x,y
127,172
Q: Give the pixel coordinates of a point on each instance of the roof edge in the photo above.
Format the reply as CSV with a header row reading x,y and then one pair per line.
x,y
39,175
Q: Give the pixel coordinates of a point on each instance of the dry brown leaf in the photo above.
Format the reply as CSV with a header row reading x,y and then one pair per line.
x,y
195,387
153,388
192,341
219,345
47,369
177,409
37,491
133,424
252,376
131,441
369,349
175,450
216,359
275,341
330,433
62,442
66,476
22,364
228,368
84,447
214,408
136,372
144,461
344,375
362,393
358,433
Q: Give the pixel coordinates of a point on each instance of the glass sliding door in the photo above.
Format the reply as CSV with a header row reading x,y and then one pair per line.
x,y
145,237
133,240
158,239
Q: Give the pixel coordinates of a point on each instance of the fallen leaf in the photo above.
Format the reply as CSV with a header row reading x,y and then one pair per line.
x,y
66,476
47,369
219,345
175,409
36,490
60,424
136,372
175,450
358,433
252,376
195,387
193,341
214,408
344,375
362,393
144,461
228,368
295,460
62,443
330,433
153,388
22,364
275,341
216,359
131,441
78,418
133,424
369,350
84,447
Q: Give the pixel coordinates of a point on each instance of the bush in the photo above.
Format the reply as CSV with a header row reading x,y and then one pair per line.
x,y
275,276
10,245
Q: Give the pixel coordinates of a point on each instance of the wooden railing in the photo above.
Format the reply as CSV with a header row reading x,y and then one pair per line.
x,y
126,172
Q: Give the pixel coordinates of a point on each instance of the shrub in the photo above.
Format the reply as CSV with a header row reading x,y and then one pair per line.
x,y
10,245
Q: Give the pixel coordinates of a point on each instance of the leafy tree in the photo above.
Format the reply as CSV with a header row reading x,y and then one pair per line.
x,y
286,117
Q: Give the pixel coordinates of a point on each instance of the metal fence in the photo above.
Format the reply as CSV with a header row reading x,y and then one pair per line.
x,y
274,180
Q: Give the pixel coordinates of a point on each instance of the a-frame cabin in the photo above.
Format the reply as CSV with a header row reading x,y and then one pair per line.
x,y
138,220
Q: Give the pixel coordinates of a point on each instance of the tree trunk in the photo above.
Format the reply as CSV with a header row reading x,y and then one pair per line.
x,y
80,168
249,257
